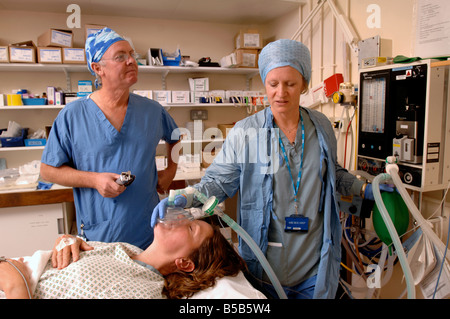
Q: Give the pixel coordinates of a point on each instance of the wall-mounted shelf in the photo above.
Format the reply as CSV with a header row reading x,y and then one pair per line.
x,y
32,107
162,70
41,67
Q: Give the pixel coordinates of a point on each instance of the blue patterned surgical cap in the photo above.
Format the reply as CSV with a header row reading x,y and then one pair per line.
x,y
97,43
285,52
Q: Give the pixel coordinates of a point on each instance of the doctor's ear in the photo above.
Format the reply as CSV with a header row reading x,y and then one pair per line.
x,y
185,264
96,67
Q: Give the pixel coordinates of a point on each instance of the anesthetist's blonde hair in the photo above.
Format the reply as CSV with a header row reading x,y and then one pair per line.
x,y
214,259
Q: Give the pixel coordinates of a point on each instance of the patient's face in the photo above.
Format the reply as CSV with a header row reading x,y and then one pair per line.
x,y
181,240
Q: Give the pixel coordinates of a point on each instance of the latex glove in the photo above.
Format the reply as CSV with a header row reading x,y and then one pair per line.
x,y
160,210
368,192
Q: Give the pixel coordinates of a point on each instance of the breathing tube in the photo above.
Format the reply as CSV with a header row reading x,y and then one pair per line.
x,y
210,207
393,168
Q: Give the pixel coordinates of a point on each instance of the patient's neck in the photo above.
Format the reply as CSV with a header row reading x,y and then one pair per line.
x,y
152,256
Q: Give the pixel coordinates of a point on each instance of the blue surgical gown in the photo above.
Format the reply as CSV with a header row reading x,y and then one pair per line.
x,y
83,138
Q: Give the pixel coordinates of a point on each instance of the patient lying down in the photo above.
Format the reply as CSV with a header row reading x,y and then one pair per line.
x,y
180,262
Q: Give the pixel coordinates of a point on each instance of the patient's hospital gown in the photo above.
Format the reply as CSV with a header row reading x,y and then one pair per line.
x,y
104,272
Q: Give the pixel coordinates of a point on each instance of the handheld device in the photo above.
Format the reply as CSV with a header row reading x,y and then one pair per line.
x,y
125,179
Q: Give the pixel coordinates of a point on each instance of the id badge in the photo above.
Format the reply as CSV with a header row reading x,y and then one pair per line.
x,y
296,223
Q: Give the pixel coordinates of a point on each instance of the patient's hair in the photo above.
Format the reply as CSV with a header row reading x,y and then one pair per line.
x,y
214,259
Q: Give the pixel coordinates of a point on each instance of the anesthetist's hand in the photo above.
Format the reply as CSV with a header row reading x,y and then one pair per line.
x,y
160,210
61,258
368,192
105,184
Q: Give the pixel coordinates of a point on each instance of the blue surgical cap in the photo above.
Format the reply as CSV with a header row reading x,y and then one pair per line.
x,y
285,52
97,43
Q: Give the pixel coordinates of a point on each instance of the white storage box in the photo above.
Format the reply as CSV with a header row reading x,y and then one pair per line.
x,y
163,96
180,97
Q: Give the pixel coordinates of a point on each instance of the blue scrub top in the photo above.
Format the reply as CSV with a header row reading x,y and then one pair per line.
x,y
83,138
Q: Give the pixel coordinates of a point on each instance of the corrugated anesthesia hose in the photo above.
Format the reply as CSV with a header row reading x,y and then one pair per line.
x,y
394,235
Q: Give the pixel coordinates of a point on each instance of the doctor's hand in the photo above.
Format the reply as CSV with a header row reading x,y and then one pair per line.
x,y
368,192
62,253
160,210
105,184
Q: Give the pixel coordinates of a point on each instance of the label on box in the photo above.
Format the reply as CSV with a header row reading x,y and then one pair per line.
x,y
61,38
4,54
85,86
250,40
74,54
21,54
249,59
50,55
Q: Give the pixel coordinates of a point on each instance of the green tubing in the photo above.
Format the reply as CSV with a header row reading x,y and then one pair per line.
x,y
394,236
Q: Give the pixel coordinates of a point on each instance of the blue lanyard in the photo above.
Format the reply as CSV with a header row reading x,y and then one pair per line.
x,y
299,177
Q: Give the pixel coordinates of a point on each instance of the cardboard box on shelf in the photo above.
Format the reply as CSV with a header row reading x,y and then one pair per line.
x,y
74,55
247,58
199,84
56,38
24,52
4,54
250,39
49,55
181,96
162,96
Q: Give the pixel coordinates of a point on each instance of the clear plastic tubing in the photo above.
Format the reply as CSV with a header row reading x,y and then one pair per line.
x,y
210,207
394,235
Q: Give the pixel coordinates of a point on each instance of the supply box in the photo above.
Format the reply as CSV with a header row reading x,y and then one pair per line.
x,y
49,55
199,84
14,141
73,55
180,96
171,59
4,54
56,38
247,58
22,52
250,39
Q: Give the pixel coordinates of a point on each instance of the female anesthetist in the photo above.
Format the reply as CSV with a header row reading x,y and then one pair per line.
x,y
283,163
